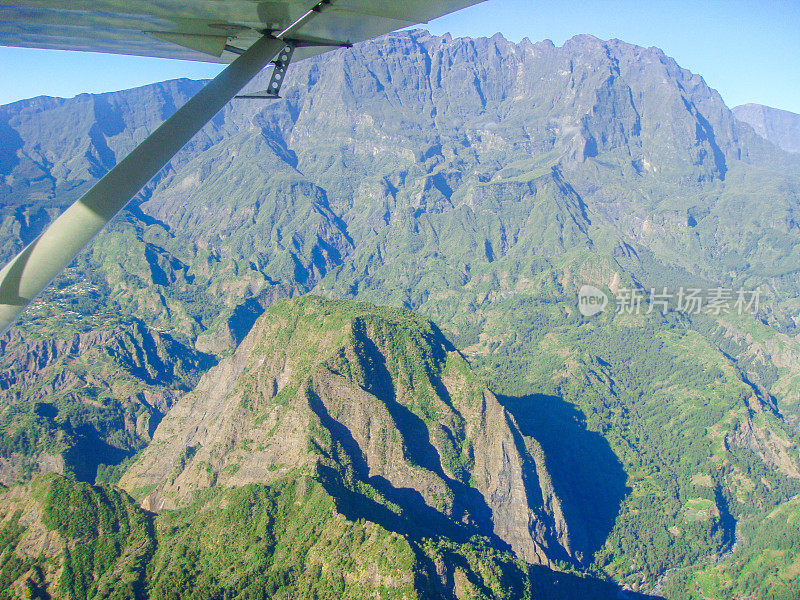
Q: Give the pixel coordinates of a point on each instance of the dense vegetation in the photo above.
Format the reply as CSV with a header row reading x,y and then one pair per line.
x,y
668,404
286,540
443,184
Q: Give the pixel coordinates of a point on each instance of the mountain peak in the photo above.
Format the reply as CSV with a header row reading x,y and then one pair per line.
x,y
781,127
366,398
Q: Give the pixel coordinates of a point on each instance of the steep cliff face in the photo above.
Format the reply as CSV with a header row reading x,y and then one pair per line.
x,y
480,183
54,149
393,139
780,127
370,399
87,399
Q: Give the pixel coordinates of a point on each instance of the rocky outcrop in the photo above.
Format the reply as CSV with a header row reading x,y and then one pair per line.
x,y
369,400
767,444
88,398
18,467
780,127
143,352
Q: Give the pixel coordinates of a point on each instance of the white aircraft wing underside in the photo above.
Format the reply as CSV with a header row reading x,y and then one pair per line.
x,y
202,29
246,33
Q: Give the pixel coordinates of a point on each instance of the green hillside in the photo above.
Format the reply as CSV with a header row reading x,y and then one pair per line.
x,y
480,184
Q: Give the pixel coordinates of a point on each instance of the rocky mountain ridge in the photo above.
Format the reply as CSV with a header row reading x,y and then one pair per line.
x,y
352,392
780,127
338,434
86,401
480,183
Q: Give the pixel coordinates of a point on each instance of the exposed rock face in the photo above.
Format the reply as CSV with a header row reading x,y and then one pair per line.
x,y
780,127
88,398
765,443
366,398
270,199
156,358
16,466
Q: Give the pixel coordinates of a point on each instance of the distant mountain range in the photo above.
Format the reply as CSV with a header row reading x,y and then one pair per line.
x,y
780,127
495,442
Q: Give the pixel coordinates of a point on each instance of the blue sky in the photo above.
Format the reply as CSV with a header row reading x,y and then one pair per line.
x,y
748,50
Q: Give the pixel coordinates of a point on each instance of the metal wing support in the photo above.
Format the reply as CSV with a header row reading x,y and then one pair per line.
x,y
30,271
273,90
246,34
282,62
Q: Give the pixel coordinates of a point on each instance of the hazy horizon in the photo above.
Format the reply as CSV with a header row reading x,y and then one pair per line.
x,y
745,52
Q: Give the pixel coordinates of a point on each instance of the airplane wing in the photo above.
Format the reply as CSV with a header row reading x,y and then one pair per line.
x,y
248,34
202,30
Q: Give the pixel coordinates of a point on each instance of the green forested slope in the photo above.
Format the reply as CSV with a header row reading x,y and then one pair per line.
x,y
283,540
480,183
343,451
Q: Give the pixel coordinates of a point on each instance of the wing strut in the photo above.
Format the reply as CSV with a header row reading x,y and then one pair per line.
x,y
281,63
29,272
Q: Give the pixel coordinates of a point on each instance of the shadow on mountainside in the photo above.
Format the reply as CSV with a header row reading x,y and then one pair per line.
x,y
10,142
438,578
88,452
468,503
413,517
587,476
546,584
